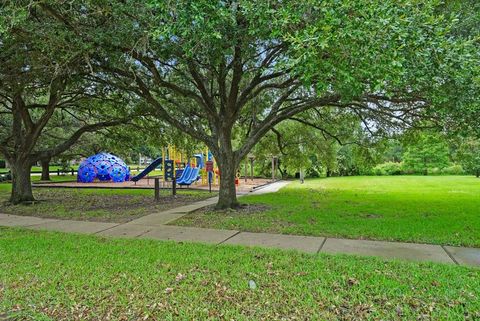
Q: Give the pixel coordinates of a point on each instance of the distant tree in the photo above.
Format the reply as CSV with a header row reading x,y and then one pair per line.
x,y
357,159
393,151
308,141
330,142
427,151
297,147
469,156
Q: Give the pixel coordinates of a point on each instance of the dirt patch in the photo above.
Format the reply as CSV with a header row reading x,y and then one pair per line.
x,y
243,209
92,202
371,216
209,216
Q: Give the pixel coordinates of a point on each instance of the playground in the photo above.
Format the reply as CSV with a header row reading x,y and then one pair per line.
x,y
173,170
105,189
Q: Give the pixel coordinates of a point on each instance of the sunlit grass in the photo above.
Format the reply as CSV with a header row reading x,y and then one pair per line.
x,y
440,209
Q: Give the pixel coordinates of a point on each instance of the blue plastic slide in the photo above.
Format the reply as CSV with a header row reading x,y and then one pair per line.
x,y
193,177
185,175
147,170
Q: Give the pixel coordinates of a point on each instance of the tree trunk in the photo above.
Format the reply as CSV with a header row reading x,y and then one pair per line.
x,y
21,182
477,172
227,197
45,169
282,172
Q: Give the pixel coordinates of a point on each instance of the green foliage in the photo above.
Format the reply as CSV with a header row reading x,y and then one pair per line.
x,y
376,51
383,45
469,155
299,147
388,168
321,143
427,151
453,170
357,159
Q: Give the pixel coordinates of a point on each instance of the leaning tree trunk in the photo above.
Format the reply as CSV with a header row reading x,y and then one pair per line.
x,y
45,169
21,182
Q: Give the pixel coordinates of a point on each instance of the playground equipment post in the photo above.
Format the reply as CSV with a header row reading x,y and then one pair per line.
x,y
157,189
174,185
209,169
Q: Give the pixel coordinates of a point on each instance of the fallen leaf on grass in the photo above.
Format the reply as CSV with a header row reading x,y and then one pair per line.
x,y
180,277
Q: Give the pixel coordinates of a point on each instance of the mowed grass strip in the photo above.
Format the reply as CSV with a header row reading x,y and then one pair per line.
x,y
55,276
437,209
106,205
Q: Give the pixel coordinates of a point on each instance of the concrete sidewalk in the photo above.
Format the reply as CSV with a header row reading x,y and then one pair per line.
x,y
153,227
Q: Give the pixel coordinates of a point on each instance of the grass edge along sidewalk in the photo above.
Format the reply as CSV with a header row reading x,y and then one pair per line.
x,y
53,276
436,210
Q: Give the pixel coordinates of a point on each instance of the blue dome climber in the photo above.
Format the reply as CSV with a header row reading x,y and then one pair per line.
x,y
105,167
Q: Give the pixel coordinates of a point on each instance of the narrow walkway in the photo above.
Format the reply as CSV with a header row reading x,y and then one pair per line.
x,y
154,226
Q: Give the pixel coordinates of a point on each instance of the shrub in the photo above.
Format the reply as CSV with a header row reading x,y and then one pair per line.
x,y
367,171
434,171
453,170
388,168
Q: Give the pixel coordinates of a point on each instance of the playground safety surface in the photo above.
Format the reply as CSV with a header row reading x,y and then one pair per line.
x,y
154,226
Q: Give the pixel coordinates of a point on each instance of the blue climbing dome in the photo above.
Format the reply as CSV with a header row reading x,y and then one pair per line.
x,y
105,167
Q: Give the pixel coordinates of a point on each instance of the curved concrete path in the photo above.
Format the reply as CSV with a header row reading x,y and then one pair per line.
x,y
154,226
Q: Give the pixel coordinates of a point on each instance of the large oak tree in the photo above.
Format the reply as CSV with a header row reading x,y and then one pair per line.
x,y
226,72
46,103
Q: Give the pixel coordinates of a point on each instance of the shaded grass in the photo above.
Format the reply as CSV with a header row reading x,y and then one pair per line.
x,y
38,169
56,178
439,210
55,276
110,205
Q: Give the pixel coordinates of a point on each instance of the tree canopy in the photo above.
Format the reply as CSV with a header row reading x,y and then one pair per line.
x,y
46,100
227,72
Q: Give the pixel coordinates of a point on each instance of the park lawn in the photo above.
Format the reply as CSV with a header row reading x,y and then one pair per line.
x,y
437,209
105,205
57,276
155,172
55,178
38,169
53,169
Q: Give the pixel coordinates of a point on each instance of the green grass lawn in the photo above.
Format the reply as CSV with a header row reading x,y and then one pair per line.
x,y
38,169
155,172
55,276
54,168
437,209
107,205
55,178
